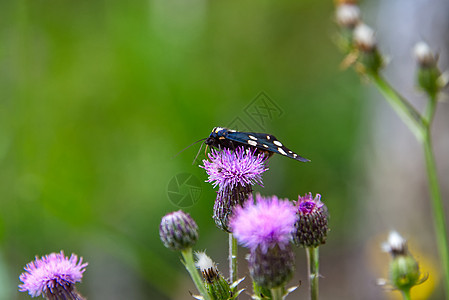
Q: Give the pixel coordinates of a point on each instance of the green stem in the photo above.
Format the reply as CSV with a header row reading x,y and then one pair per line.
x,y
406,294
437,209
409,115
190,266
277,293
232,258
430,110
261,292
420,126
313,265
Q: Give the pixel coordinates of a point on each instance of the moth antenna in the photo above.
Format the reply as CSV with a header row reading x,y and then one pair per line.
x,y
198,153
189,147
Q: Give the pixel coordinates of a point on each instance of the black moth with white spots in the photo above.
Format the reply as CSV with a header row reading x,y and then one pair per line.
x,y
265,143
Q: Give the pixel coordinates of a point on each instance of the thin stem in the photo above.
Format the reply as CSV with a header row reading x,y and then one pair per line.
x,y
437,209
420,126
406,294
232,258
277,293
190,266
409,115
430,110
313,265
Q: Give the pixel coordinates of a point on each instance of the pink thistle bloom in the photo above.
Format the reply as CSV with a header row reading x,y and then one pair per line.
x,y
228,169
308,204
312,221
267,223
47,275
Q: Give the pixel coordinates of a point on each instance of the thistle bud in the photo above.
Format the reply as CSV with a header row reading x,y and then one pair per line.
x,y
178,231
428,74
271,268
311,223
217,287
404,269
365,41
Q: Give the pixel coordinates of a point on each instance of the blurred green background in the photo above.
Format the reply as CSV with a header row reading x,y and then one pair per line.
x,y
97,97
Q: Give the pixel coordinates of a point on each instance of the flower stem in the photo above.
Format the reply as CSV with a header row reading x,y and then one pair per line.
x,y
190,266
409,115
313,264
276,293
232,258
260,292
430,110
437,210
421,127
406,294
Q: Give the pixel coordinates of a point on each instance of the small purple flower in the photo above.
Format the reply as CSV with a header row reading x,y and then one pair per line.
x,y
311,226
265,224
228,169
53,275
308,204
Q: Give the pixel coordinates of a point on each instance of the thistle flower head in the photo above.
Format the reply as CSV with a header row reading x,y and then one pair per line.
x,y
226,201
404,269
311,223
428,75
178,231
348,15
396,244
424,55
52,275
264,224
272,268
364,37
216,286
227,168
308,204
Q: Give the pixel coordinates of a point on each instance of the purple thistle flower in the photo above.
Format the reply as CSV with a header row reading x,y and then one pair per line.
x,y
312,221
53,275
228,169
264,224
308,204
235,172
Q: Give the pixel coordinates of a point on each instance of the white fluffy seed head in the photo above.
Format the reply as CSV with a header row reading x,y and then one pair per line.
x,y
204,262
423,54
348,15
364,37
395,244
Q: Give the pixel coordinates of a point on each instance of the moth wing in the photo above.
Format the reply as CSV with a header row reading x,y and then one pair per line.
x,y
264,141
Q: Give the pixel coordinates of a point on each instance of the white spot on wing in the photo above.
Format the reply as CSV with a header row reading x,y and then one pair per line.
x,y
252,143
281,151
252,137
294,155
290,151
266,146
268,137
217,129
231,130
277,143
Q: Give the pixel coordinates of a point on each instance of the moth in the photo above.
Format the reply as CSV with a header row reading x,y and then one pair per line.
x,y
268,144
